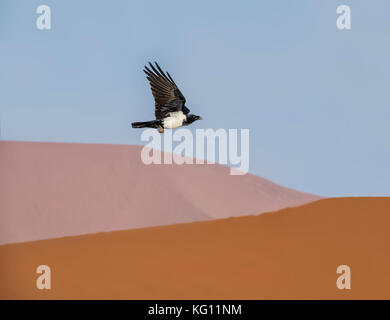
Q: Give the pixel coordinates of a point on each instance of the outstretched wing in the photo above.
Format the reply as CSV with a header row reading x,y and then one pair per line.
x,y
167,95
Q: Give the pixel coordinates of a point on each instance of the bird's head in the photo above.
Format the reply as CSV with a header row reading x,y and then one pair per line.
x,y
191,118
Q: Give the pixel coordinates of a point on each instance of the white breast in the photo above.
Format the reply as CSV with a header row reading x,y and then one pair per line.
x,y
174,120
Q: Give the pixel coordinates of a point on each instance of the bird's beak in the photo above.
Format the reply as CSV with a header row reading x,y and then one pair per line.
x,y
200,118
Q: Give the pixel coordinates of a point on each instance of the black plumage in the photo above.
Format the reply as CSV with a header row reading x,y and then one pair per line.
x,y
170,109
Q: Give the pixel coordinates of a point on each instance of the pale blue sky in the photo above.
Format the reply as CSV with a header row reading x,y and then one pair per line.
x,y
316,99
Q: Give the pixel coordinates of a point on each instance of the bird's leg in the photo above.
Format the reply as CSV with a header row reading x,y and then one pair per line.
x,y
160,129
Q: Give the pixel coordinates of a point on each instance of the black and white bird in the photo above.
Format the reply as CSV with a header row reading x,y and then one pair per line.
x,y
170,110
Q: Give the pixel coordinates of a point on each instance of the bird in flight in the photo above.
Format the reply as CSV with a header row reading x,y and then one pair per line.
x,y
170,110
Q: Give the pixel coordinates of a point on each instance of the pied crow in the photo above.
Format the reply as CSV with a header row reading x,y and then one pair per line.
x,y
170,110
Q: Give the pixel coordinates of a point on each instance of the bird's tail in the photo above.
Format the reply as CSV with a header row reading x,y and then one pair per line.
x,y
147,124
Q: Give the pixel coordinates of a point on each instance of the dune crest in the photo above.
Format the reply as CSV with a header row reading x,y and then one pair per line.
x,y
290,254
50,190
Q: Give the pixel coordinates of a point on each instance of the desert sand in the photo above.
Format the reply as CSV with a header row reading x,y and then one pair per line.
x,y
289,254
50,190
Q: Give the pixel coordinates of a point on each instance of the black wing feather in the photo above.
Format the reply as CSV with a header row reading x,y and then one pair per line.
x,y
167,96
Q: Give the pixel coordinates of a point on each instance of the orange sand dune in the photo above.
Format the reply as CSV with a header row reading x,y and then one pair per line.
x,y
292,253
51,190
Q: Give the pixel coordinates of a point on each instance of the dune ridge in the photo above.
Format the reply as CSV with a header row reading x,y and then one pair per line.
x,y
50,190
289,254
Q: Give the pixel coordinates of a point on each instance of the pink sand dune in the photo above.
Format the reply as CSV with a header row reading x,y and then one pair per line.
x,y
50,190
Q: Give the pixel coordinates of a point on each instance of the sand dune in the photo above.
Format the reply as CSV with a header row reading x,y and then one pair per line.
x,y
292,253
50,190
